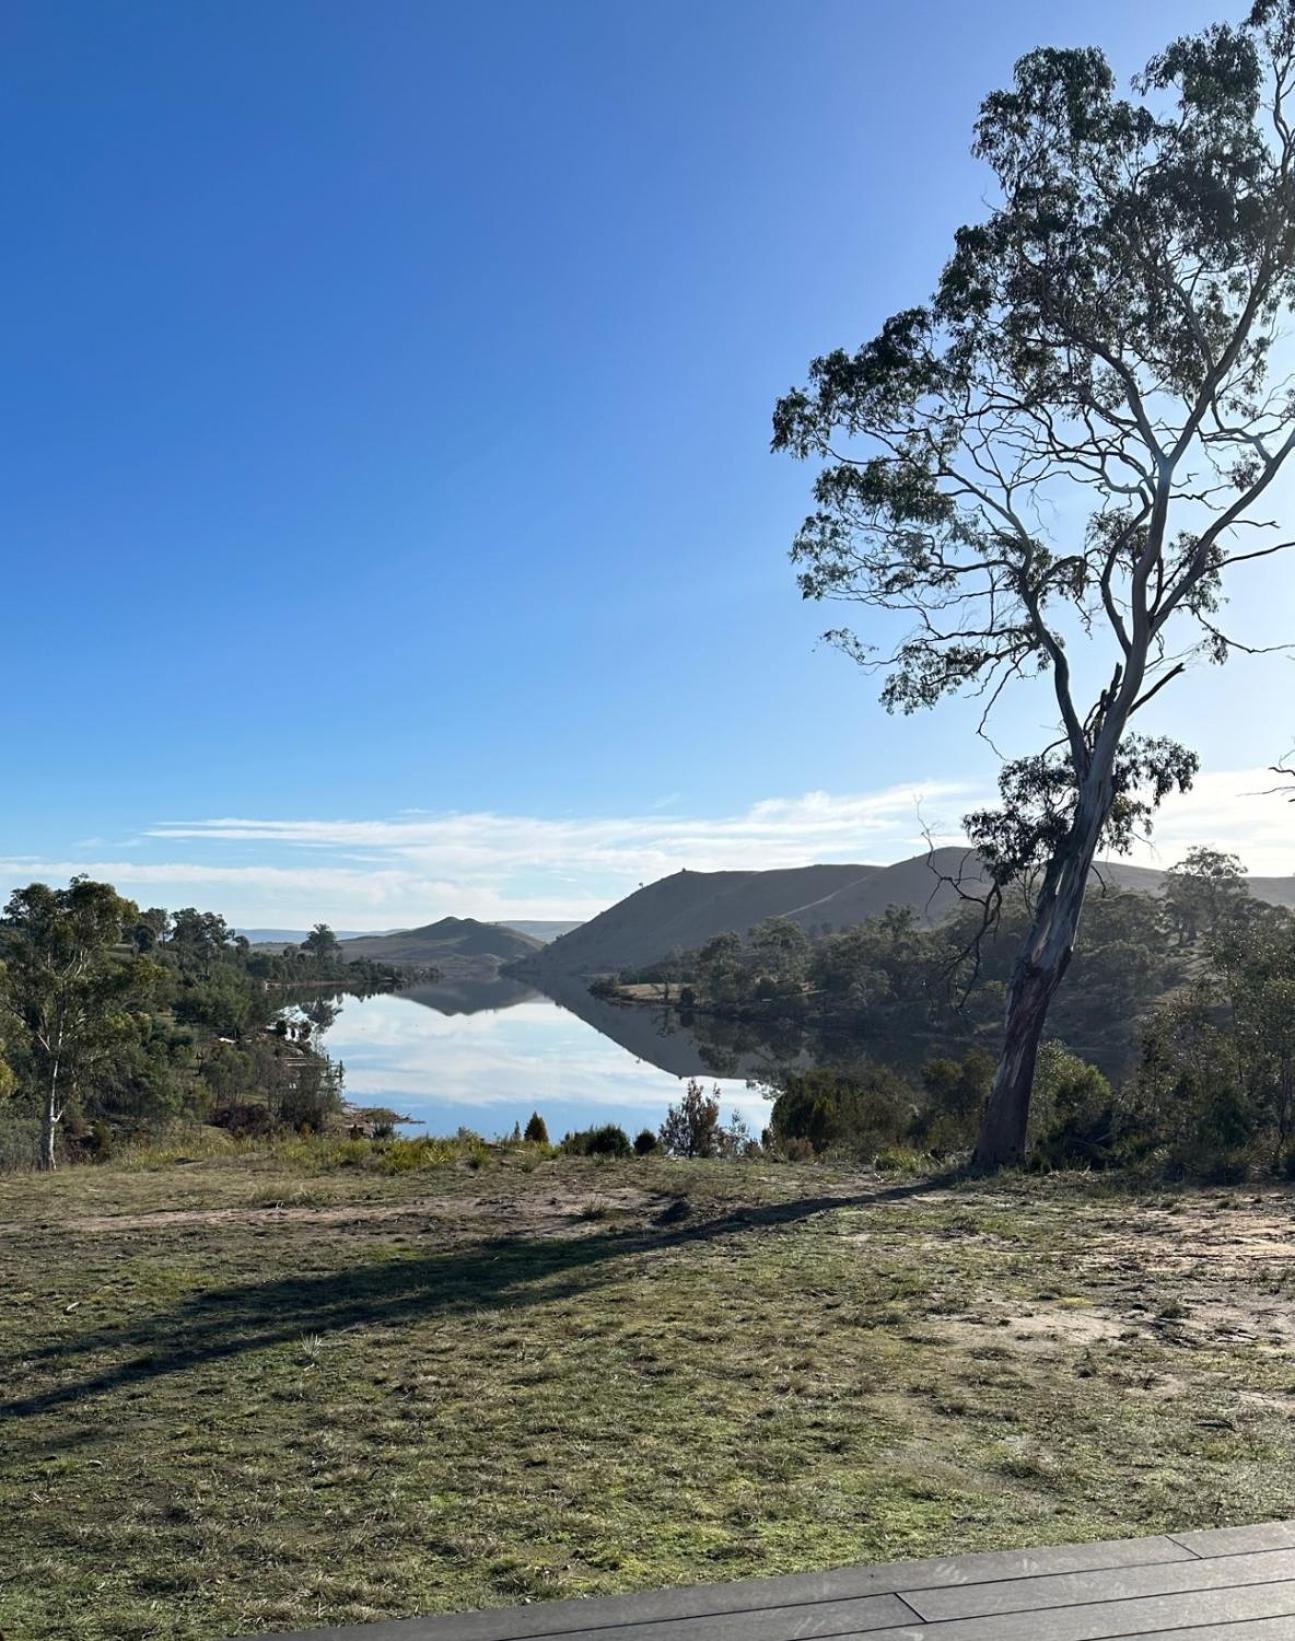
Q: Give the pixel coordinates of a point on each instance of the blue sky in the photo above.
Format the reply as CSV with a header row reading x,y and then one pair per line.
x,y
384,444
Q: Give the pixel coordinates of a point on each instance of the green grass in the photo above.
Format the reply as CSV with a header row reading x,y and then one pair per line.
x,y
239,1396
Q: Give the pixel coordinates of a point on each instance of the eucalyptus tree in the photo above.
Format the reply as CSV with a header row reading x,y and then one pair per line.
x,y
71,991
1049,468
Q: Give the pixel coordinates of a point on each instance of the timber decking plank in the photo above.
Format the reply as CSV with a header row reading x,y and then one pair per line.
x,y
1256,1629
560,1618
795,1623
1234,1541
1118,1584
1156,1615
1216,1584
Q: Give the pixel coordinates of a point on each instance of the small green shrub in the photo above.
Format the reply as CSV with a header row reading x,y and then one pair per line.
x,y
609,1140
645,1143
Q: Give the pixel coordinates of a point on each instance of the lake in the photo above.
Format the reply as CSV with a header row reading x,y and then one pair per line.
x,y
486,1054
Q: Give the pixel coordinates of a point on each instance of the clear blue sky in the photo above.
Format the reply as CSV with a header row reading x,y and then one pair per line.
x,y
385,428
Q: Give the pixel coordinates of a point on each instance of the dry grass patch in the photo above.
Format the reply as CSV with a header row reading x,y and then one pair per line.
x,y
237,1397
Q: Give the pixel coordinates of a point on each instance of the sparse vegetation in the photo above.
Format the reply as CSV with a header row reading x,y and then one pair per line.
x,y
265,1390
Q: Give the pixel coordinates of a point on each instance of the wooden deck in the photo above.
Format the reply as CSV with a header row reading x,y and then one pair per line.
x,y
1224,1584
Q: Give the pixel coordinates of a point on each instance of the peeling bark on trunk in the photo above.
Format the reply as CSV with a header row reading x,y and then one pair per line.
x,y
1040,969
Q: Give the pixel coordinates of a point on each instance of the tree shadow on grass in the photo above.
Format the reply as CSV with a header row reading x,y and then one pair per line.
x,y
222,1323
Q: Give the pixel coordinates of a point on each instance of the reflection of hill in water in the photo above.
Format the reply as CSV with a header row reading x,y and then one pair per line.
x,y
696,1045
471,996
704,1047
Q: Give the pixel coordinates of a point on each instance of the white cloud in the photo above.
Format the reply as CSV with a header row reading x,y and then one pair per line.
x,y
418,866
1235,809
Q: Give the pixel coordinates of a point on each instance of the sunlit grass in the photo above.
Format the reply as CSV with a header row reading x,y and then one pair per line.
x,y
323,1397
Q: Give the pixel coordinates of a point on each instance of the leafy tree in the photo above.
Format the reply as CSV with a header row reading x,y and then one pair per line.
x,y
1204,892
1050,466
10,1026
321,944
199,940
537,1132
777,953
691,1128
70,987
645,1143
720,968
150,929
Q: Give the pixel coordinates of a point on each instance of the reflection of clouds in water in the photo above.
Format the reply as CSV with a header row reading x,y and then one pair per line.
x,y
531,1054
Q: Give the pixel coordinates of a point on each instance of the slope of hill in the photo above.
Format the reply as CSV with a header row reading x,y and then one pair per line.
x,y
542,929
460,947
682,911
294,937
685,910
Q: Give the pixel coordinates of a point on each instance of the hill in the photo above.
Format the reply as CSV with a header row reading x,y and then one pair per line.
x,y
294,937
460,947
542,929
682,912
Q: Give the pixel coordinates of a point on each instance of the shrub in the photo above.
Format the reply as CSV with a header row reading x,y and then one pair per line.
x,y
1074,1120
607,1141
536,1130
901,1159
691,1128
861,1110
956,1093
796,1149
645,1143
243,1118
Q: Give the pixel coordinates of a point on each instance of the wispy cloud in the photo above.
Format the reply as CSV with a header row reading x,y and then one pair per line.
x,y
416,866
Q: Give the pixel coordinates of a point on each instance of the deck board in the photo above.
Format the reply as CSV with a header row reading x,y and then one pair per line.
x,y
1213,1584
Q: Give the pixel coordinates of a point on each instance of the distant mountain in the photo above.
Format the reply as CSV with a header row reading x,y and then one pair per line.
x,y
294,937
460,947
682,912
541,928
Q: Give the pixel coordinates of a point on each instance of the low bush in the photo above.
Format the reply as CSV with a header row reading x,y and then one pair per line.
x,y
609,1140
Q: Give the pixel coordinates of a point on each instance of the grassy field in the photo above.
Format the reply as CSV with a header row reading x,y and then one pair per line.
x,y
238,1395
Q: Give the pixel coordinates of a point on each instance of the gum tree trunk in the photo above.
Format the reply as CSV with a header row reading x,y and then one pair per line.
x,y
49,1124
1040,968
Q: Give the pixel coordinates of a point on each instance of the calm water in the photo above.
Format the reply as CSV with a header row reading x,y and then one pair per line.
x,y
487,1055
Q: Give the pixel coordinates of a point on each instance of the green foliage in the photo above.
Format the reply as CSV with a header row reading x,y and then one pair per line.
x,y
116,1022
1214,1093
857,1111
75,999
1047,469
536,1132
691,1128
956,1091
609,1140
1074,1119
645,1143
1204,894
891,979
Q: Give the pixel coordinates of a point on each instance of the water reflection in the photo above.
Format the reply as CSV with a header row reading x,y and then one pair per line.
x,y
488,1054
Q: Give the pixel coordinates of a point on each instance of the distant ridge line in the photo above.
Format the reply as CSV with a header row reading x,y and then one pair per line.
x,y
684,910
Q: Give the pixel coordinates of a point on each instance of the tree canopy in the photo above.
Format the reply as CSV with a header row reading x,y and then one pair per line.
x,y
1047,469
